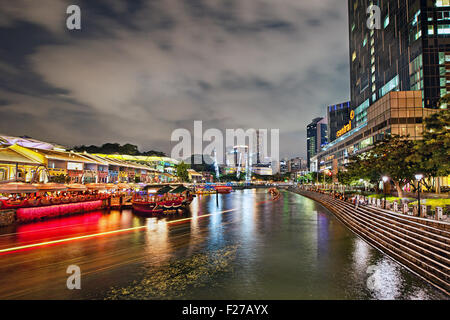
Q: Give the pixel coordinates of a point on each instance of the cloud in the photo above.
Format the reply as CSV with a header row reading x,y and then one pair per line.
x,y
137,73
49,14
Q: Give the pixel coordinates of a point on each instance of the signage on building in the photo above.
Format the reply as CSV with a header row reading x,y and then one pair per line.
x,y
74,166
347,127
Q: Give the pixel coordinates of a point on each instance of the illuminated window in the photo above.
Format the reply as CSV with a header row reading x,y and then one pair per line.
x,y
416,18
353,55
386,22
418,35
443,29
442,3
390,86
430,29
365,41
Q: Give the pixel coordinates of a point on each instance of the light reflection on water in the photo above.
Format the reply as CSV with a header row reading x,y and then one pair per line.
x,y
289,249
245,247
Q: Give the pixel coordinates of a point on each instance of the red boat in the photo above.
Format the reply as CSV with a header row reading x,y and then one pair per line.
x,y
223,189
164,200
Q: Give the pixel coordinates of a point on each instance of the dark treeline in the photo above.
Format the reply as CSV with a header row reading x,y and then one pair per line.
x,y
116,148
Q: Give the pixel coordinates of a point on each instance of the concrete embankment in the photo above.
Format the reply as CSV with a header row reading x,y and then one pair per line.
x,y
421,245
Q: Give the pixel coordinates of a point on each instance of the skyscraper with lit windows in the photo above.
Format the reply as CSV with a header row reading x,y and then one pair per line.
x,y
410,51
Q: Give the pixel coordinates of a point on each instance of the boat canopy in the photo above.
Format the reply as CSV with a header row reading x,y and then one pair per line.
x,y
50,187
179,189
17,187
164,189
76,187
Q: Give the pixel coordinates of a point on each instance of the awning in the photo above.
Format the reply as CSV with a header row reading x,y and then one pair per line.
x,y
50,187
76,187
96,186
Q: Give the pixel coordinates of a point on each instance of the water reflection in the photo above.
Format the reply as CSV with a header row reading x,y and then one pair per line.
x,y
240,245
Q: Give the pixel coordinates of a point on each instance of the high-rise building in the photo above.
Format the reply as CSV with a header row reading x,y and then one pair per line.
x,y
338,116
295,164
409,52
316,137
259,146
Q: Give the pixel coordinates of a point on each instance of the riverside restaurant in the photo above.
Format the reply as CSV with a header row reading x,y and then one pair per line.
x,y
31,161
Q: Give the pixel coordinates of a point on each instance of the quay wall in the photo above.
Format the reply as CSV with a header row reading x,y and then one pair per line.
x,y
22,215
422,248
7,217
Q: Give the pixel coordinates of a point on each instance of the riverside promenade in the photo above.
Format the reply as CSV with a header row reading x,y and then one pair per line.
x,y
422,245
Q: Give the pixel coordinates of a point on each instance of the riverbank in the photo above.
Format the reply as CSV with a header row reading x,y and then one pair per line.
x,y
421,245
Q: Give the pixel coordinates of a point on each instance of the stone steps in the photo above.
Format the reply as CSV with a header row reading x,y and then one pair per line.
x,y
422,248
435,262
422,243
437,244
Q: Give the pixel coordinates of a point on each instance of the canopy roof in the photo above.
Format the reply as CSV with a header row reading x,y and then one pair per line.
x,y
179,189
50,187
164,189
27,142
97,186
67,156
17,154
76,187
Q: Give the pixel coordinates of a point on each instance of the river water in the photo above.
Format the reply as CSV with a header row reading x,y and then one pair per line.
x,y
241,245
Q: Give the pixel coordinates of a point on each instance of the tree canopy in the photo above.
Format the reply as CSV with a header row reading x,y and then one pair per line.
x,y
400,158
116,148
182,172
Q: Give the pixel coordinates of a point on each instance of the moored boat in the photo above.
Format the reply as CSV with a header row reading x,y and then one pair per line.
x,y
223,189
164,200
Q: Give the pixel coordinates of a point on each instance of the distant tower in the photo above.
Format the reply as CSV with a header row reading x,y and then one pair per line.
x,y
260,152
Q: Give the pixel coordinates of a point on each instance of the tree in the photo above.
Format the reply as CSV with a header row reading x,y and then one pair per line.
x,y
345,177
360,166
116,148
432,154
392,157
182,172
153,153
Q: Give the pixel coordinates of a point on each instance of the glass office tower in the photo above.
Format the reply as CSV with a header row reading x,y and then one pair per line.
x,y
410,51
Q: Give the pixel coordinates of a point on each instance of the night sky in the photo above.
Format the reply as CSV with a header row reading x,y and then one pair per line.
x,y
140,69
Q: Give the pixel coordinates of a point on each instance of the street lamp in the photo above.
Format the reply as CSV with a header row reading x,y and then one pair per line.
x,y
418,177
385,179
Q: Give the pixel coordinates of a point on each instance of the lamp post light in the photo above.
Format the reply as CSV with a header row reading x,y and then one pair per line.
x,y
385,179
418,177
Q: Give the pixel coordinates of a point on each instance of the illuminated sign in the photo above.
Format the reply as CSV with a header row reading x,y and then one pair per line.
x,y
347,127
74,166
344,129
